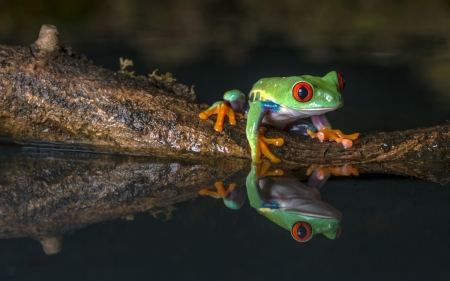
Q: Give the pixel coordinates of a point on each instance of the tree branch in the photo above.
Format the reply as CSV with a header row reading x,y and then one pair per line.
x,y
49,94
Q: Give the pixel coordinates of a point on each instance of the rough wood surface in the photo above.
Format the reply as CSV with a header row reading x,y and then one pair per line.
x,y
49,94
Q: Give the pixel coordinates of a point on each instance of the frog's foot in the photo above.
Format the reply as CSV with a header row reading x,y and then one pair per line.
x,y
263,170
326,133
264,149
222,109
221,191
324,171
344,170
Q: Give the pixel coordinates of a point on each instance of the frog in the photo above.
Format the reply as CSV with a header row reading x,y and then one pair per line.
x,y
292,205
283,102
286,201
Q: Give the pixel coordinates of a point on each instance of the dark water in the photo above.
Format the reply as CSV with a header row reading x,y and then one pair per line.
x,y
393,227
389,232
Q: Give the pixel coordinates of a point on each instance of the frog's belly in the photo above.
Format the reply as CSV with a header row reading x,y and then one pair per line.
x,y
285,116
293,196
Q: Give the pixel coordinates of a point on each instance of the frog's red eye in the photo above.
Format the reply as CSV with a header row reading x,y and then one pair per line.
x,y
302,91
301,231
339,231
341,80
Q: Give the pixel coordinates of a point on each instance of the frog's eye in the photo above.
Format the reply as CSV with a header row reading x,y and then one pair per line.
x,y
301,231
341,80
302,91
339,231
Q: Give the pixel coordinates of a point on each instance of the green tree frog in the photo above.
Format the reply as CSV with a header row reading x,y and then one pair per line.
x,y
286,201
281,102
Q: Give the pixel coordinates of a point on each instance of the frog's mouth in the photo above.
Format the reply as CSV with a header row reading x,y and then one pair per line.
x,y
308,112
325,109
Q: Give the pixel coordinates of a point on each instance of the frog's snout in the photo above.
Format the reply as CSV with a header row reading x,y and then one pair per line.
x,y
335,100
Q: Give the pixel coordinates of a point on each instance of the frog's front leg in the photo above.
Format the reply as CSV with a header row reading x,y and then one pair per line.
x,y
255,134
264,149
232,106
254,192
326,133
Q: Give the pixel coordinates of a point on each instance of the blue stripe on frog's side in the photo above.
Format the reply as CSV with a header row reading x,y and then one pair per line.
x,y
270,106
270,203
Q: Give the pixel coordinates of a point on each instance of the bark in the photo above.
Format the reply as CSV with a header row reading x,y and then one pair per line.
x,y
49,94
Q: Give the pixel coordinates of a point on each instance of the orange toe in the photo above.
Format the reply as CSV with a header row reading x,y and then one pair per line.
x,y
222,109
263,143
326,133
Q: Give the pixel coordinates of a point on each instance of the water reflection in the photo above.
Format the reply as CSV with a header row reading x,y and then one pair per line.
x,y
286,201
46,193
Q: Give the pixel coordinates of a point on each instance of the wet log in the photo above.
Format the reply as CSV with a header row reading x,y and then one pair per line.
x,y
49,94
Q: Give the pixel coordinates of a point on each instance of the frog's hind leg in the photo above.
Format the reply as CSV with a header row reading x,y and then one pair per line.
x,y
233,198
326,133
236,100
300,127
221,192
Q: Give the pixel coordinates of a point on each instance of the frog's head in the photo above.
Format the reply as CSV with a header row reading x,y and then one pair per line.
x,y
317,94
304,227
304,230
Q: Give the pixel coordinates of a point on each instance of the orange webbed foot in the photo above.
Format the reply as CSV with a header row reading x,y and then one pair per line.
x,y
222,109
263,170
221,191
326,133
264,149
327,170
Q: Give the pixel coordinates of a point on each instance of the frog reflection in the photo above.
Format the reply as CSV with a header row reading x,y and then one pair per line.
x,y
286,201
